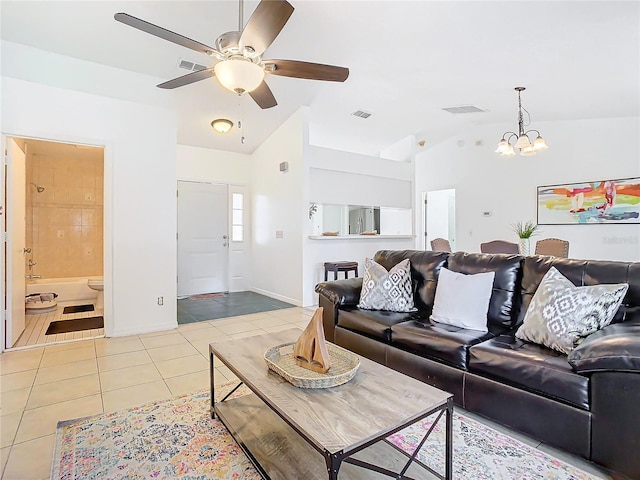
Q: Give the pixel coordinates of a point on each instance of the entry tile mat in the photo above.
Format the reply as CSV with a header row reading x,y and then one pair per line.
x,y
226,305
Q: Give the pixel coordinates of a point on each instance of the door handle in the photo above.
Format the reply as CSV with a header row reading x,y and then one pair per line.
x,y
224,244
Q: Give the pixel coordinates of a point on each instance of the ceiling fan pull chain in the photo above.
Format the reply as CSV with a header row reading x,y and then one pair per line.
x,y
241,121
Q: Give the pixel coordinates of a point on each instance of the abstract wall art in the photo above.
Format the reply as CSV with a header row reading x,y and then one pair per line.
x,y
603,201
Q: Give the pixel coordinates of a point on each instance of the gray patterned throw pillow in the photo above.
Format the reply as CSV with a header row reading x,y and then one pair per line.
x,y
561,315
382,290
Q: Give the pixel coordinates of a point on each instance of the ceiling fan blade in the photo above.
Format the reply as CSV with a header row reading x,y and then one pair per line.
x,y
312,71
263,96
187,79
163,33
265,24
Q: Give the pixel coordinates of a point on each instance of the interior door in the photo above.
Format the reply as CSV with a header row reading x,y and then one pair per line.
x,y
440,216
203,238
16,233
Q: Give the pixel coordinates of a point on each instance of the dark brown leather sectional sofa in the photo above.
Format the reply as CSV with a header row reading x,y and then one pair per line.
x,y
587,403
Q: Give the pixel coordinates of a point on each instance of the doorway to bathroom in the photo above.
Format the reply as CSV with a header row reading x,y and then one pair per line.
x,y
54,257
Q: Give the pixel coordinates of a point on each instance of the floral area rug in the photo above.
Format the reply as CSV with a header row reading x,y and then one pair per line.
x,y
169,439
177,439
482,453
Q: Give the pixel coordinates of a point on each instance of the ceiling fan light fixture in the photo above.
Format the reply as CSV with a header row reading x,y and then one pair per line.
x,y
239,75
222,125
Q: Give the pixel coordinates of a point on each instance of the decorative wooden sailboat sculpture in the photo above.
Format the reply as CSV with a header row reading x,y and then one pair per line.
x,y
310,351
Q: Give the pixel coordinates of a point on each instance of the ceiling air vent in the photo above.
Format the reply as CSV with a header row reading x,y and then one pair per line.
x,y
463,109
361,114
192,67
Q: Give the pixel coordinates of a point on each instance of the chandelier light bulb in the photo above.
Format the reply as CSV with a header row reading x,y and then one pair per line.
x,y
528,151
503,146
523,142
539,144
509,152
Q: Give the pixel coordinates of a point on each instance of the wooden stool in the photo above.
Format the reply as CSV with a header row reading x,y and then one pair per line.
x,y
336,267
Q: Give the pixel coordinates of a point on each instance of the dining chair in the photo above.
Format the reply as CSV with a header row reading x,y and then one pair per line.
x,y
499,246
553,247
440,245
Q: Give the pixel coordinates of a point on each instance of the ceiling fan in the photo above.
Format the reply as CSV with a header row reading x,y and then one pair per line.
x,y
240,67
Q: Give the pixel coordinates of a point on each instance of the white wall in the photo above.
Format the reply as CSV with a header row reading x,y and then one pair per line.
x,y
278,205
346,188
579,150
140,181
216,166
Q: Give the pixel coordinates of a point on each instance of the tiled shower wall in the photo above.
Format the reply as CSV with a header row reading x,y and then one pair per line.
x,y
64,222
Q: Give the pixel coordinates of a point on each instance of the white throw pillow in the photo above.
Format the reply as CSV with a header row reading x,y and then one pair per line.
x,y
463,300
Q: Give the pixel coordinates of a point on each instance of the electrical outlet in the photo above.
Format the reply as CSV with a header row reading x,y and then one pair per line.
x,y
279,234
160,300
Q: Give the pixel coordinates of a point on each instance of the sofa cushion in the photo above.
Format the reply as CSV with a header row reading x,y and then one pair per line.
x,y
561,315
387,290
437,341
472,313
531,367
505,298
373,323
425,266
581,273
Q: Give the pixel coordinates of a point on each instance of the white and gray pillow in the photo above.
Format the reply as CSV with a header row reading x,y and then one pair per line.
x,y
561,315
382,290
463,300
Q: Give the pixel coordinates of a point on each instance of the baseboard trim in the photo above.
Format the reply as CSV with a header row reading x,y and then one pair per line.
x,y
141,329
282,298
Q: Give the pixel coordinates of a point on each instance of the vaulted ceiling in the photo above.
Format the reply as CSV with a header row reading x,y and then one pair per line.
x,y
407,60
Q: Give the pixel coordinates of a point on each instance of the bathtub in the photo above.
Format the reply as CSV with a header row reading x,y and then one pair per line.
x,y
69,289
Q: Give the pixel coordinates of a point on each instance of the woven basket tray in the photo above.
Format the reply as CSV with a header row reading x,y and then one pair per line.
x,y
344,365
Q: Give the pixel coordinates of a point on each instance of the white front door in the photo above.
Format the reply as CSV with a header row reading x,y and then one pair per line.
x,y
203,238
16,233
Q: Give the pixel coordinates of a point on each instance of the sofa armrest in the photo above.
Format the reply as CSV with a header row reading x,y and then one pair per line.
x,y
614,348
331,296
341,292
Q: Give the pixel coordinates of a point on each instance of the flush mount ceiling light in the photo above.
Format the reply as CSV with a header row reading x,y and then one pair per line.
x,y
522,141
222,125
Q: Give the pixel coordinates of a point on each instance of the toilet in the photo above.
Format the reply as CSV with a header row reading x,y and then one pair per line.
x,y
97,284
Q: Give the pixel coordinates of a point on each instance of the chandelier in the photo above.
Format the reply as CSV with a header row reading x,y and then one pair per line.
x,y
523,143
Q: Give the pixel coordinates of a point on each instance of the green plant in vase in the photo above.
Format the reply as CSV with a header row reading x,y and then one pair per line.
x,y
525,230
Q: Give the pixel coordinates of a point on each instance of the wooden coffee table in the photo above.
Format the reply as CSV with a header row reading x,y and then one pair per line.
x,y
296,433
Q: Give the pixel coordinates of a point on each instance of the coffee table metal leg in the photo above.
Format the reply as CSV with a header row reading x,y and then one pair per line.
x,y
448,469
213,393
333,465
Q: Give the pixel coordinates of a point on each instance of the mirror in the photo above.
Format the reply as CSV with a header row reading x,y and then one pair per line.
x,y
330,219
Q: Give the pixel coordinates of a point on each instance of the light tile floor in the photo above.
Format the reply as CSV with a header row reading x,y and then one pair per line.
x,y
41,386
